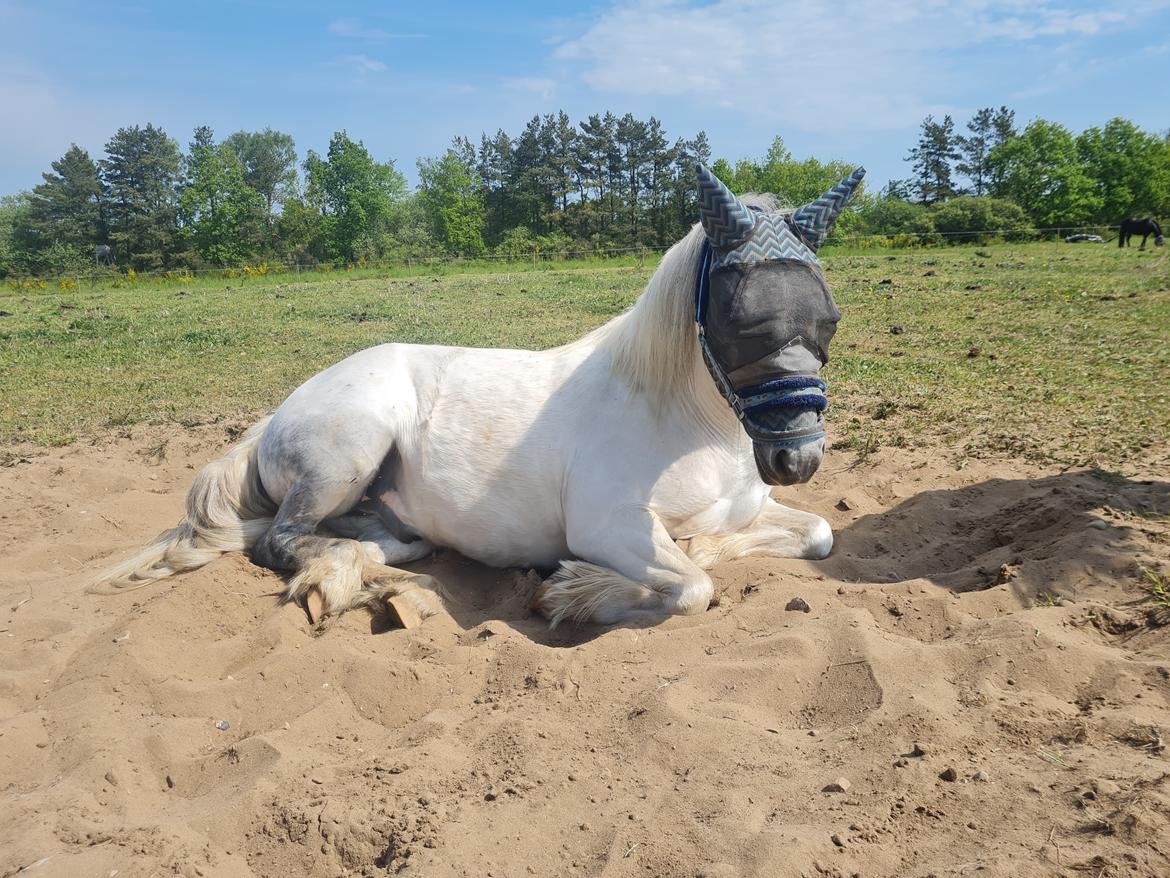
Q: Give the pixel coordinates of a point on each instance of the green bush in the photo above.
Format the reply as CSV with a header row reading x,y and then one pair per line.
x,y
883,215
973,219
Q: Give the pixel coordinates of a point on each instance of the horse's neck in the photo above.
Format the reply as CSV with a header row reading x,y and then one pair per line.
x,y
654,349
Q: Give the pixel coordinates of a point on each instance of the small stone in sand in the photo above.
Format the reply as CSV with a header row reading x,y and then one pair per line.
x,y
223,725
840,785
837,840
1098,524
111,778
917,749
949,774
798,605
981,776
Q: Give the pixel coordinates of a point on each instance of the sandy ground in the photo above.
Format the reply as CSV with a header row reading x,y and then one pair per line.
x,y
978,663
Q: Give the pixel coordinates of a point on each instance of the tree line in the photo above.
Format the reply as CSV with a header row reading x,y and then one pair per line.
x,y
1043,176
605,182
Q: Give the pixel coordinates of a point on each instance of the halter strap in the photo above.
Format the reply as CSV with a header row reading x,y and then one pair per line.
x,y
791,391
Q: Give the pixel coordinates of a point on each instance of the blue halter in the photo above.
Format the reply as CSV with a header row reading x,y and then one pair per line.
x,y
752,404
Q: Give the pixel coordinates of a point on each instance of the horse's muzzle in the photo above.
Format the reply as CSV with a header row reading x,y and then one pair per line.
x,y
779,465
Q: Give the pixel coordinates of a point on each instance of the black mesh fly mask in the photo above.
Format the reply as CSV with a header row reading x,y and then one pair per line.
x,y
765,319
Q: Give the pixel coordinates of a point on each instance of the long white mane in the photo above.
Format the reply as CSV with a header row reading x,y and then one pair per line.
x,y
654,345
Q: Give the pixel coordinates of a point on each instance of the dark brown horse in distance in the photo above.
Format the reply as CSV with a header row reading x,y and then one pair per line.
x,y
1143,227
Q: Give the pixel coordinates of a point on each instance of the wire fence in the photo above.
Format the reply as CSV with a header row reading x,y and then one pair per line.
x,y
533,259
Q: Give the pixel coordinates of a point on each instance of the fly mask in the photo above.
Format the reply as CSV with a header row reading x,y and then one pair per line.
x,y
765,319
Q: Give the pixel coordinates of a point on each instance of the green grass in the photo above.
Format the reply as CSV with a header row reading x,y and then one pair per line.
x,y
1157,588
1053,351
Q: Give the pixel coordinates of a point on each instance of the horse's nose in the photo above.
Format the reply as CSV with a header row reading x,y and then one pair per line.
x,y
778,465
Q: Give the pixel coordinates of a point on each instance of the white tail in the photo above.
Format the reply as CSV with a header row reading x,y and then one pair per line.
x,y
227,511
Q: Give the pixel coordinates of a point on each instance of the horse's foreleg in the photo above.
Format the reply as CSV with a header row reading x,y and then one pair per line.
x,y
630,568
777,530
380,545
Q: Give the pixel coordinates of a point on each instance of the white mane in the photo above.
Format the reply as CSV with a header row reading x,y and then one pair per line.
x,y
654,345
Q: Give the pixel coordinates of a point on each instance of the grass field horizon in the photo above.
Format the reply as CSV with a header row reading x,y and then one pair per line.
x,y
1046,350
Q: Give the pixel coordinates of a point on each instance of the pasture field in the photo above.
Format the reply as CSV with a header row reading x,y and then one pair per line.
x,y
1053,351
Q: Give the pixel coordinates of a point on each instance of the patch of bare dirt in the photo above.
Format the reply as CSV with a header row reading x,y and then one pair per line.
x,y
979,662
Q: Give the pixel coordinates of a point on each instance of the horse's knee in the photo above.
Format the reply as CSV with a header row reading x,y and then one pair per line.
x,y
818,541
694,597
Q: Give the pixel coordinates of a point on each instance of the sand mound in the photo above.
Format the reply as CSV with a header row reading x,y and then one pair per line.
x,y
978,663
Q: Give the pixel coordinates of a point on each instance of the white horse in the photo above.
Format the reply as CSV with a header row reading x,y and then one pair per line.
x,y
597,459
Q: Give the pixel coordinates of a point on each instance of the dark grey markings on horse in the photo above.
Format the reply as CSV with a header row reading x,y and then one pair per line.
x,y
103,255
1143,227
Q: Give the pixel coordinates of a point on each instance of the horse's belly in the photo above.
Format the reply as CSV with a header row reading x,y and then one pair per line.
x,y
490,498
498,531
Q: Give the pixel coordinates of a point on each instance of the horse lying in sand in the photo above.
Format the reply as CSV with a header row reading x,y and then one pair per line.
x,y
669,423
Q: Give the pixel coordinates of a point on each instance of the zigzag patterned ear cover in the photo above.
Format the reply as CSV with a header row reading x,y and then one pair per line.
x,y
742,235
726,220
814,220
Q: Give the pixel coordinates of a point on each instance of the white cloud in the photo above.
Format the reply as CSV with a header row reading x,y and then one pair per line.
x,y
362,65
818,64
541,88
353,29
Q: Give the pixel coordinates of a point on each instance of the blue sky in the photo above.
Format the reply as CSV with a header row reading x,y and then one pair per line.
x,y
849,80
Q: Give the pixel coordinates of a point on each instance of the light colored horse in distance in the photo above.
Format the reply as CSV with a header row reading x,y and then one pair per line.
x,y
666,424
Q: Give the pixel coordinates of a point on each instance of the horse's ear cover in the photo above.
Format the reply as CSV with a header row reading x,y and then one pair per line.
x,y
726,220
816,219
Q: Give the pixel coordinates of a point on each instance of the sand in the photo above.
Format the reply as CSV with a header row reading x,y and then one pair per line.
x,y
980,682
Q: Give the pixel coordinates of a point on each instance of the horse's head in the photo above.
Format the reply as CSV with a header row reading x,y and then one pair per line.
x,y
766,318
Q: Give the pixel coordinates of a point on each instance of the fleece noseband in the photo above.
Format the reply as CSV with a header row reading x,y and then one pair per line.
x,y
764,408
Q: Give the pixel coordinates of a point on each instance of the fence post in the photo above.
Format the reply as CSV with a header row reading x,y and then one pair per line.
x,y
534,259
641,257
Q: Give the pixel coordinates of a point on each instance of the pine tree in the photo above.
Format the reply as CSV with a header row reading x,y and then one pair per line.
x,y
596,152
141,172
563,160
932,159
493,164
66,209
659,156
630,139
975,149
1003,126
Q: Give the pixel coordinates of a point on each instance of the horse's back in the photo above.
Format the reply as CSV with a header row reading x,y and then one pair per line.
x,y
478,439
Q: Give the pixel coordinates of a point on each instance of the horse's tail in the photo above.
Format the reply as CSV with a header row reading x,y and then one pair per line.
x,y
227,511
